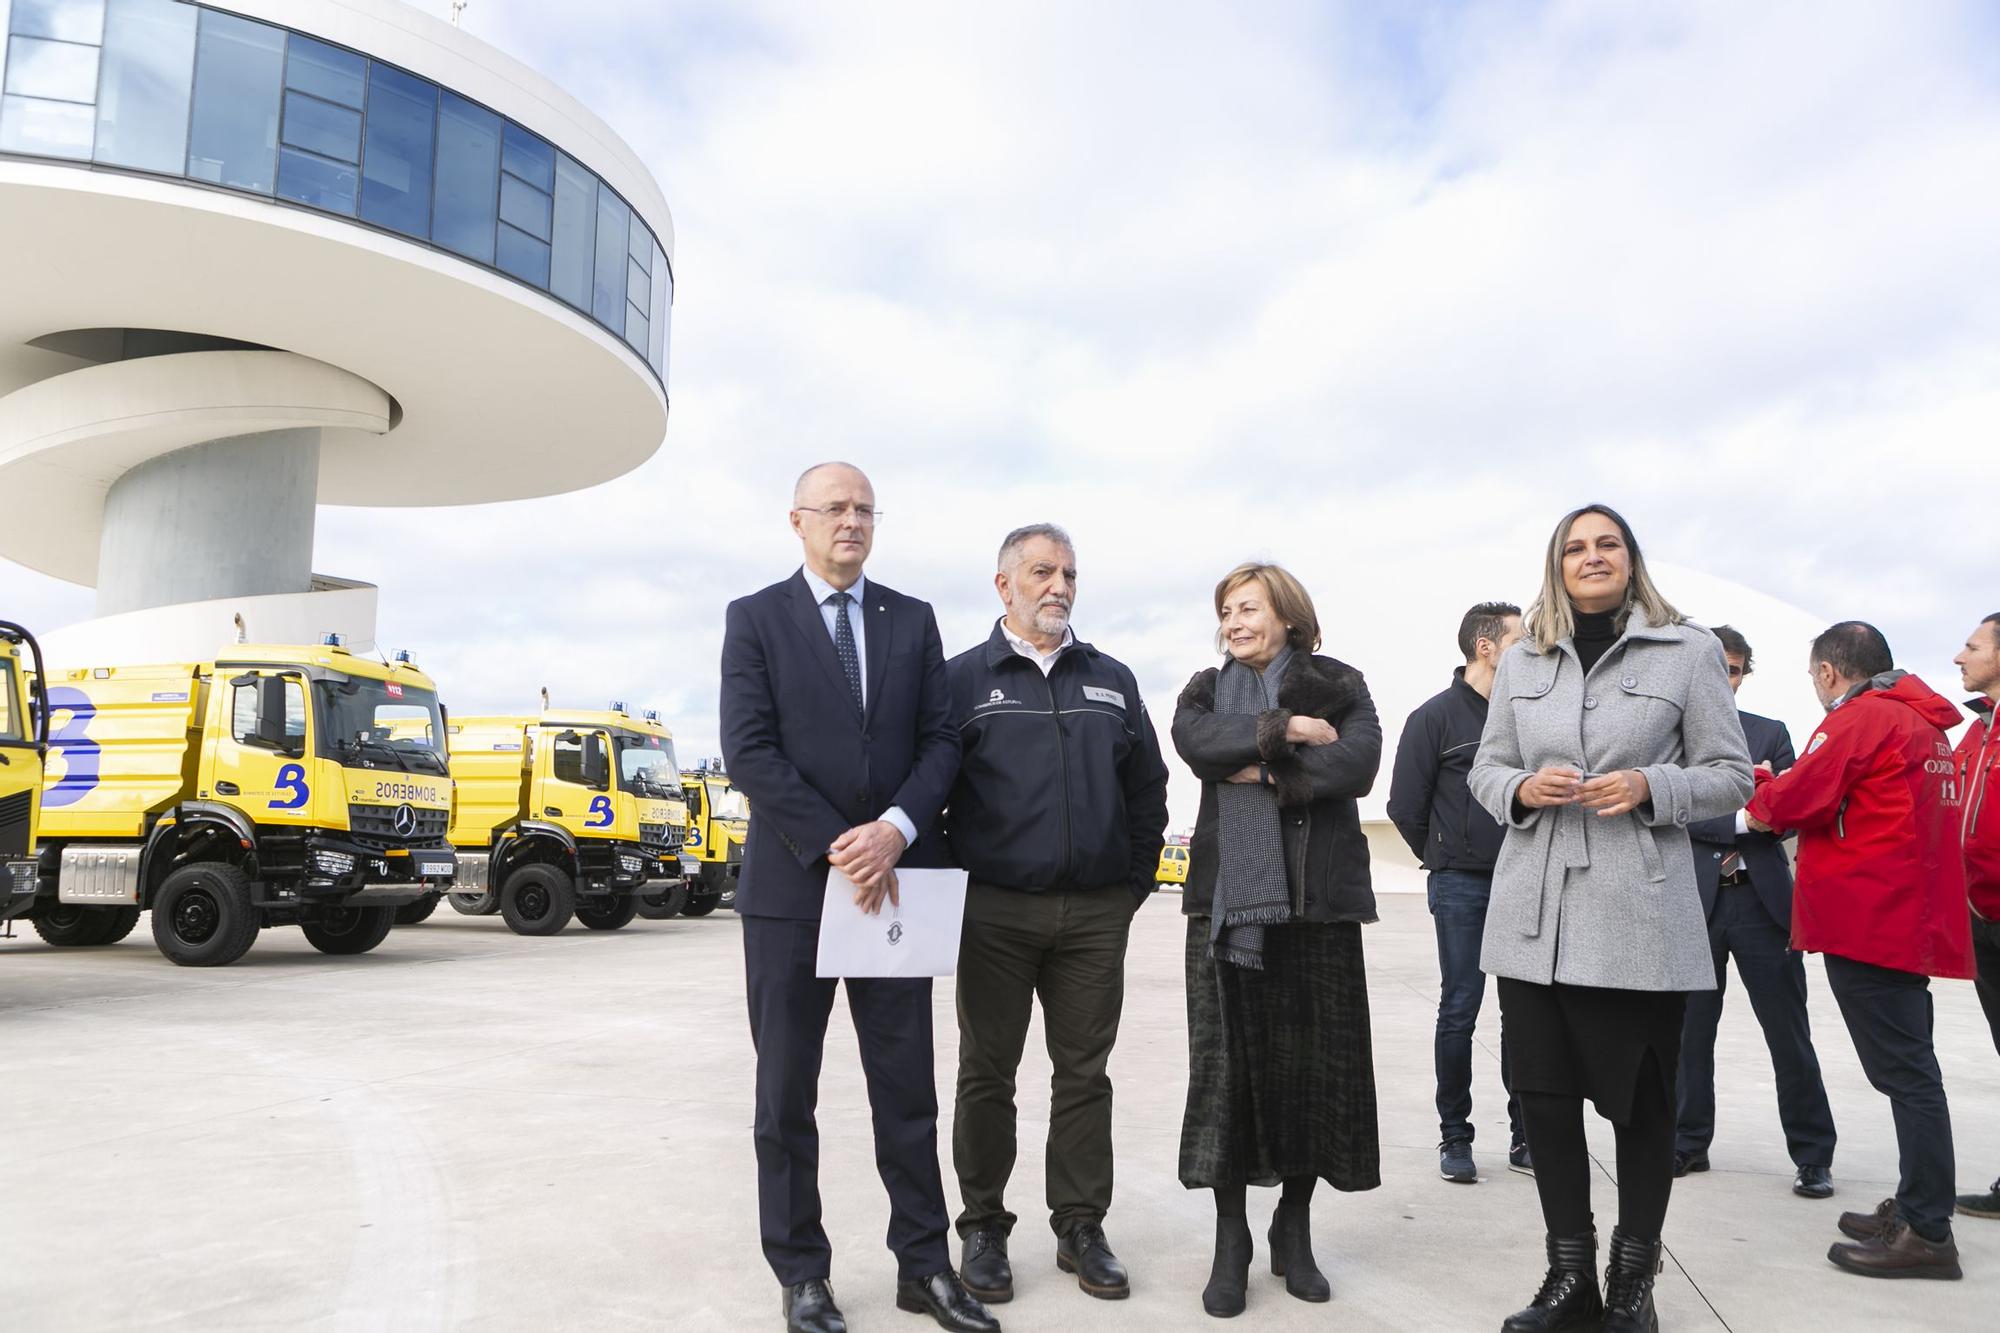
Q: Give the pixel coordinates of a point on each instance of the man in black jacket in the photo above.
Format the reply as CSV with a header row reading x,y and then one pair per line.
x,y
1457,841
1058,816
1746,891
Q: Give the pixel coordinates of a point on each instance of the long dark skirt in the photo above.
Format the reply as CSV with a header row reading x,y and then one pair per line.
x,y
1590,1041
1281,1069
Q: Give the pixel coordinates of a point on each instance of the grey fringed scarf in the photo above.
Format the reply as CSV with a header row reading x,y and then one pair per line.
x,y
1250,887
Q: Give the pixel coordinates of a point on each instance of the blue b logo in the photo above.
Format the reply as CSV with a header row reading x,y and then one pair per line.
x,y
80,754
600,813
291,778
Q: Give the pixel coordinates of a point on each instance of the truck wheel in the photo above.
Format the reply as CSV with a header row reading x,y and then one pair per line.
x,y
118,923
615,914
476,904
537,900
202,915
409,914
702,905
660,906
77,925
347,930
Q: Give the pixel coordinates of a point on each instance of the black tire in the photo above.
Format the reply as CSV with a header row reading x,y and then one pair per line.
x,y
349,930
80,925
663,905
537,900
701,904
409,914
475,904
202,915
118,923
614,913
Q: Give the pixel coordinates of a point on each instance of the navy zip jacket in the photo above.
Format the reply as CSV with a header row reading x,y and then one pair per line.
x,y
1429,802
1061,785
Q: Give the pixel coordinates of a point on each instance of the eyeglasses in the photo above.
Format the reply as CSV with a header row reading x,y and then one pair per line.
x,y
866,515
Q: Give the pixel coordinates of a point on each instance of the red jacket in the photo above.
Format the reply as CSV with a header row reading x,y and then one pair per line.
x,y
1979,788
1875,800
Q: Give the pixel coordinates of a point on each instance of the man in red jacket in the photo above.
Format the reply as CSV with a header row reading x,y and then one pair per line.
x,y
1979,787
1880,892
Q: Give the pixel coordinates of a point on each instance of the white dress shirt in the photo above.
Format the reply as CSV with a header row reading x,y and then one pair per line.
x,y
829,613
1045,660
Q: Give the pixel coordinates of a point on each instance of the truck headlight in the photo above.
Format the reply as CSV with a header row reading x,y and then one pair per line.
x,y
631,865
328,862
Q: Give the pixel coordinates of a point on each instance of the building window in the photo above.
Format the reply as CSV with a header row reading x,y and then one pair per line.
x,y
527,176
148,76
239,68
50,78
396,160
319,164
575,233
607,293
468,178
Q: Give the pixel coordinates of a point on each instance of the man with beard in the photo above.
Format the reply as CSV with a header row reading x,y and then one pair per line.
x,y
1057,816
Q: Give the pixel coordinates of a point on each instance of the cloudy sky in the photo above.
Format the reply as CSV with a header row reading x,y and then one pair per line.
x,y
1376,290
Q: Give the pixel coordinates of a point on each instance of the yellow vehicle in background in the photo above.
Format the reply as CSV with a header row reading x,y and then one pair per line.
x,y
24,740
571,813
276,785
718,821
1173,868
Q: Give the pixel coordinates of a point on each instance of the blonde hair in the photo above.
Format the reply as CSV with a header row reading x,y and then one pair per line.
x,y
1289,599
1552,617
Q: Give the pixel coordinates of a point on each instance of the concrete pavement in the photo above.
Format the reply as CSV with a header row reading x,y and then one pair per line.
x,y
467,1129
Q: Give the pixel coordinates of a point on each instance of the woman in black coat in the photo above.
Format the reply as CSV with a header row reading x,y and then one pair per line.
x,y
1281,1079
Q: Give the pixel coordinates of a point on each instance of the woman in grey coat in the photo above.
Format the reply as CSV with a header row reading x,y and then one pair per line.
x,y
1611,727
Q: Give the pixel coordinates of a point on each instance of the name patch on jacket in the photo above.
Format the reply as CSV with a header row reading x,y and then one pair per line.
x,y
1103,696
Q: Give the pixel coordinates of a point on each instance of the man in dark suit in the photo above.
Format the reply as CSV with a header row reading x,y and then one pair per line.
x,y
836,724
1746,891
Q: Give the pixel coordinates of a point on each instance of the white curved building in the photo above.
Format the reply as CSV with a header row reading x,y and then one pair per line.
x,y
258,257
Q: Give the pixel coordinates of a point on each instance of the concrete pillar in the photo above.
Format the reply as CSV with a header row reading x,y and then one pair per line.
x,y
230,518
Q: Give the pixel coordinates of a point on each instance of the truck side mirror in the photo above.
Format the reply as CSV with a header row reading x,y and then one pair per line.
x,y
270,731
596,762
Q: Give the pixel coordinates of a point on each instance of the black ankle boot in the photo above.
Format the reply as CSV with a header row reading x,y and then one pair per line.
x,y
1229,1280
1569,1297
1292,1253
1628,1285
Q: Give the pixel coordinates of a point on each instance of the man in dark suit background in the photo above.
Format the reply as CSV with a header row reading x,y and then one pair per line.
x,y
836,724
1746,891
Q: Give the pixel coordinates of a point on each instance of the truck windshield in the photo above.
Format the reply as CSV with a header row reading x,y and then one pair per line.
x,y
725,802
380,723
646,765
10,712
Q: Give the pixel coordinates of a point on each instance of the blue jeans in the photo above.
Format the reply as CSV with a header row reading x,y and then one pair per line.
x,y
1458,912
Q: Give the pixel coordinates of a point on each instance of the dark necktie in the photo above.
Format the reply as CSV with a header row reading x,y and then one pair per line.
x,y
843,644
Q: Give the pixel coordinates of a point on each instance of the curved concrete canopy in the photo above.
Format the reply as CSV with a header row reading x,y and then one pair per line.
x,y
505,392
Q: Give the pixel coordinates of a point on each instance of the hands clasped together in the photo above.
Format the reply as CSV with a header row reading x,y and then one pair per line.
x,y
867,855
1300,730
1608,794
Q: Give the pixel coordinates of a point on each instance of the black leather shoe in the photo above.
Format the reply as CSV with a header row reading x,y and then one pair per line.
x,y
944,1298
1229,1277
1569,1301
1628,1285
1813,1182
809,1308
1086,1253
1292,1253
1689,1163
983,1266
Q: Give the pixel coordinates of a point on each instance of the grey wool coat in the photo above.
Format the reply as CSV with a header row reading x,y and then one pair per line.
x,y
1590,900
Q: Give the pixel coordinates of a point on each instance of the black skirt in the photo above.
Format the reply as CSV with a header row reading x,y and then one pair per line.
x,y
1281,1066
1590,1041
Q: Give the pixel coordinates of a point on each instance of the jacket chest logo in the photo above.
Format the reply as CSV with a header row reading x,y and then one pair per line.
x,y
998,699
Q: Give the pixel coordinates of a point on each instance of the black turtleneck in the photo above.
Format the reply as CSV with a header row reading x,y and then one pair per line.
x,y
1595,632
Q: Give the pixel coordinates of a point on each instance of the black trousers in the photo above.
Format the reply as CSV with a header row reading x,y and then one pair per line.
x,y
1774,978
1986,953
1069,949
1889,1015
789,1008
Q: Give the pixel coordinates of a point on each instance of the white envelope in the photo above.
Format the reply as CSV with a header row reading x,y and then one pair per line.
x,y
917,939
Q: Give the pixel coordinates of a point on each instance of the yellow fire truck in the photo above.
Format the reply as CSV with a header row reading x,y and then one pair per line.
x,y
574,812
276,785
24,739
718,820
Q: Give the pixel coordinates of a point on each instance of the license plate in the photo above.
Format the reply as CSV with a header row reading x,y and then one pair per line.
x,y
429,869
